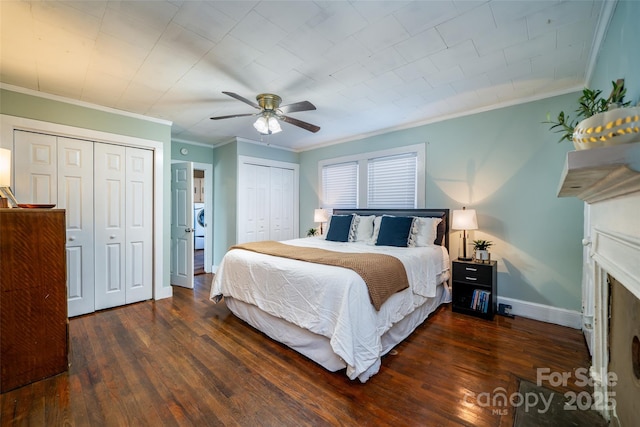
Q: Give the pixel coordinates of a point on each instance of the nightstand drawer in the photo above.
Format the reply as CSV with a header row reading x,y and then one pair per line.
x,y
472,273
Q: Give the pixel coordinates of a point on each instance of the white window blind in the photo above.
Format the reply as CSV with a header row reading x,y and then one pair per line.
x,y
392,181
340,185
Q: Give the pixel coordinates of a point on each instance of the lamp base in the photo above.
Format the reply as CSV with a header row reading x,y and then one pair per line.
x,y
465,258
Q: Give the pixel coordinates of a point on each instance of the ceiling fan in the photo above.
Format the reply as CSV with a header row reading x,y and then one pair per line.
x,y
271,111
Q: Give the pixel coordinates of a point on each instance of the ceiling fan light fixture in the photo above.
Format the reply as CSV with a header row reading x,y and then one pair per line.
x,y
267,126
274,125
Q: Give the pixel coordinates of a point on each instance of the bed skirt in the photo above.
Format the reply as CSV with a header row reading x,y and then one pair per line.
x,y
317,347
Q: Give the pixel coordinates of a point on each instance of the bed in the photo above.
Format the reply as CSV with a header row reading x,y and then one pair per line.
x,y
326,312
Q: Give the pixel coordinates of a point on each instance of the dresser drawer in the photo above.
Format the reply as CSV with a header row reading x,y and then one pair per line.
x,y
472,273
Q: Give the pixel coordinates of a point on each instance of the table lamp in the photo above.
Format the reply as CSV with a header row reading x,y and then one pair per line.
x,y
321,216
464,219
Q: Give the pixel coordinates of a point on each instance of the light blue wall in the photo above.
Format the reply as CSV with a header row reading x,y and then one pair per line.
x,y
47,110
507,165
225,173
264,151
619,56
196,153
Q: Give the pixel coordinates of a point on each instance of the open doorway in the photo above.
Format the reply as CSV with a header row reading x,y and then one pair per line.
x,y
199,221
203,218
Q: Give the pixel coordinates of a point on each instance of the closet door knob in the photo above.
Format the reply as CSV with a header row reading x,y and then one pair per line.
x,y
71,239
113,236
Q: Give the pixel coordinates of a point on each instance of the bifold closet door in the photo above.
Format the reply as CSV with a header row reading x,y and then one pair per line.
x,y
36,167
75,196
139,225
281,204
123,224
253,203
110,186
56,170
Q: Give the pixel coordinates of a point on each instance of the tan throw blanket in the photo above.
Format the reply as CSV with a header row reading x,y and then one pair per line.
x,y
383,274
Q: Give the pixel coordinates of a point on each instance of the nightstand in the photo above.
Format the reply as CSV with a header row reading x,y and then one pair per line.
x,y
474,287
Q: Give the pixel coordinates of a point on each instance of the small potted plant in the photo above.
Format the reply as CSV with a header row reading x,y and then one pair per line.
x,y
312,232
599,122
481,250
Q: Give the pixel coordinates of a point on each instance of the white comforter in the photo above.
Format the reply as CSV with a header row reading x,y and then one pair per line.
x,y
330,301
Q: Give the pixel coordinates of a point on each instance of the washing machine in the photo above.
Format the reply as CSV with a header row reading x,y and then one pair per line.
x,y
198,225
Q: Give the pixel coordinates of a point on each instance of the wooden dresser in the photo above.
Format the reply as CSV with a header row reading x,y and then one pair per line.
x,y
33,296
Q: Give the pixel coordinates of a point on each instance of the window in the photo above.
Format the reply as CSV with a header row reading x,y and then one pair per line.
x,y
392,181
385,179
340,185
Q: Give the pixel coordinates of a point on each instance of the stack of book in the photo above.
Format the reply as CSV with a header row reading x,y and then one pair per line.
x,y
480,300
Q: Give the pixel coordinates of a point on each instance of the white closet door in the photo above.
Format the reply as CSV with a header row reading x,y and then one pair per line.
x,y
110,174
262,203
281,203
75,195
139,225
253,203
266,203
247,226
35,165
288,207
275,203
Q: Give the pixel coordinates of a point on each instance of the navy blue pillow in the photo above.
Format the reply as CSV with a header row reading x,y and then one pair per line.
x,y
339,228
394,231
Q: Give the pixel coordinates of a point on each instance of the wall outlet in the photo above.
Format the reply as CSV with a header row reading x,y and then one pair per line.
x,y
505,310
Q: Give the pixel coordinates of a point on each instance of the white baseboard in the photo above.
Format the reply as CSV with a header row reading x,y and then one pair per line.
x,y
544,313
164,292
214,269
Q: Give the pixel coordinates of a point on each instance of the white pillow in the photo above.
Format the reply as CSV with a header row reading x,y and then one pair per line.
x,y
363,228
376,229
424,232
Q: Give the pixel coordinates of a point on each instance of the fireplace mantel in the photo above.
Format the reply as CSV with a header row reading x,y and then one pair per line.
x,y
601,173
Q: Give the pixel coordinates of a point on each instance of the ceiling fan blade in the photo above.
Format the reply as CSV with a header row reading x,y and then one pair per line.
x,y
297,106
232,116
243,99
300,123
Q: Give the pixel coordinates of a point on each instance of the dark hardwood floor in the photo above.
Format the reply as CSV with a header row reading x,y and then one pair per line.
x,y
198,261
186,361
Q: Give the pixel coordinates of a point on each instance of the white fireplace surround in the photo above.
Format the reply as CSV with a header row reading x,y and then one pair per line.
x,y
608,180
618,256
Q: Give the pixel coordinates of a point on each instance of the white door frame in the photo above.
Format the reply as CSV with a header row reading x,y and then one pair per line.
x,y
10,123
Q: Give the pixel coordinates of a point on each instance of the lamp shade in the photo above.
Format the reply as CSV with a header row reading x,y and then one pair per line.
x,y
5,167
464,219
320,215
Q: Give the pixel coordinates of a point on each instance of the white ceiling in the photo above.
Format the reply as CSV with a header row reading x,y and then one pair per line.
x,y
368,66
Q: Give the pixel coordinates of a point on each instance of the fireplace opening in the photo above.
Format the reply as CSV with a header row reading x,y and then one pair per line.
x,y
635,356
624,365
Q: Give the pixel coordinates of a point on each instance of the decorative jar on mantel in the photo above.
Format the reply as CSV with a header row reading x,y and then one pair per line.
x,y
613,127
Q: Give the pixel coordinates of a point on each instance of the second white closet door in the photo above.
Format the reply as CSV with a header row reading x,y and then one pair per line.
x,y
139,225
281,204
123,223
110,231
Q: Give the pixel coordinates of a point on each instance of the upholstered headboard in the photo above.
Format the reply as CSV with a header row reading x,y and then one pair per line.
x,y
443,227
